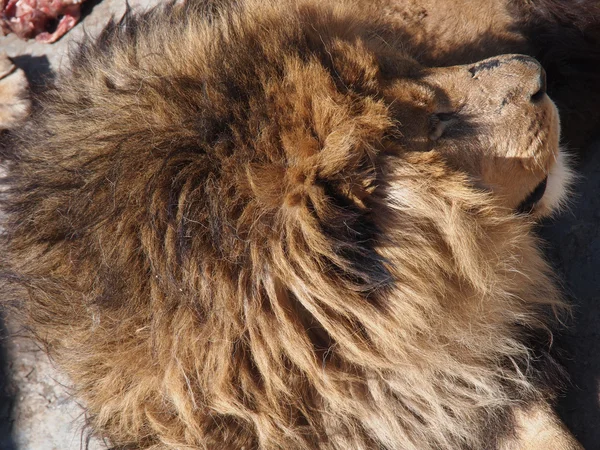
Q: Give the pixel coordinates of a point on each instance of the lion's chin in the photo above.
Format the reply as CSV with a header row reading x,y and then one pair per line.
x,y
556,188
531,201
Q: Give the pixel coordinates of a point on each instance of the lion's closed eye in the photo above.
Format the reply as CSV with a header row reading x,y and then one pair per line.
x,y
439,122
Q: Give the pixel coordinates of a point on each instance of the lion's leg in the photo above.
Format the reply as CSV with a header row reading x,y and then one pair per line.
x,y
539,428
14,98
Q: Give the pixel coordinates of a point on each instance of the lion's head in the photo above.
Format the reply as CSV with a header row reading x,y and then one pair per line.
x,y
269,226
493,121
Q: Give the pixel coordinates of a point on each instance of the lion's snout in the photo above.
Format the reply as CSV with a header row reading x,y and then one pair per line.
x,y
501,103
511,79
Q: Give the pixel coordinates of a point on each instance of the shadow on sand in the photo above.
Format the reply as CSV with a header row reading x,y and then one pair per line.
x,y
7,394
574,247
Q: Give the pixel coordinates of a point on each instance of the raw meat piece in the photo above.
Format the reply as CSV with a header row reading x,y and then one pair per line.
x,y
32,18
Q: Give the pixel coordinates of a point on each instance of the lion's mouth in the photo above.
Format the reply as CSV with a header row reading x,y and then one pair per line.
x,y
528,205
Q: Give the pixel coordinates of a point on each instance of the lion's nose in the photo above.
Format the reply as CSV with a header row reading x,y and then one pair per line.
x,y
516,77
541,91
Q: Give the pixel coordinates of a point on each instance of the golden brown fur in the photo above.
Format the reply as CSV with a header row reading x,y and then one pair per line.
x,y
244,228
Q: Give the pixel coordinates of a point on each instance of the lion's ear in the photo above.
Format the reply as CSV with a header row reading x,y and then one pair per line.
x,y
267,183
359,190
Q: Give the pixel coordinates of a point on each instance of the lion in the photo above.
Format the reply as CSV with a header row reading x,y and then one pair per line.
x,y
271,225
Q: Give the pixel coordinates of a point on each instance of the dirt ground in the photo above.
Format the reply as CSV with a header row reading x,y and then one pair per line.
x,y
37,412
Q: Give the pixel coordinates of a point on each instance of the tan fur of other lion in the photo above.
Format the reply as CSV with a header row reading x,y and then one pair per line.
x,y
246,232
14,99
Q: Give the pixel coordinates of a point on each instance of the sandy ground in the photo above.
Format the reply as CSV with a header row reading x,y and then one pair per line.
x,y
45,416
37,412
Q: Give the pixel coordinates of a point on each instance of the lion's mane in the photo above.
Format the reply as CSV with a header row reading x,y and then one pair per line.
x,y
207,227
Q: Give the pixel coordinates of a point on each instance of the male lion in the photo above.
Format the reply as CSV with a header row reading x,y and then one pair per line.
x,y
269,226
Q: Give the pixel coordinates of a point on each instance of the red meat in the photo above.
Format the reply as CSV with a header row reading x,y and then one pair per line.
x,y
34,18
